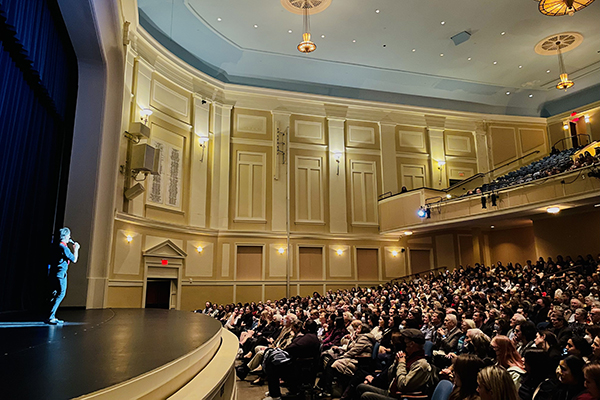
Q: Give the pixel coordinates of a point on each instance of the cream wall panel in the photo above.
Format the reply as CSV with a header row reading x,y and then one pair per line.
x,y
199,166
504,144
415,140
226,252
444,250
277,261
128,255
340,266
143,85
171,98
152,241
458,144
388,159
363,183
411,139
395,266
309,190
255,124
413,176
199,263
459,171
358,135
531,139
309,130
251,187
337,182
124,297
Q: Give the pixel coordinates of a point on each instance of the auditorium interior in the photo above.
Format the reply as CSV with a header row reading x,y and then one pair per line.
x,y
201,155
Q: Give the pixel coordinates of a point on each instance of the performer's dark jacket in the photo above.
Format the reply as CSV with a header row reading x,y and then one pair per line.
x,y
61,258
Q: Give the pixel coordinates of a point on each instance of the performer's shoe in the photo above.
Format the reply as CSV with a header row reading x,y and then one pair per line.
x,y
60,321
52,321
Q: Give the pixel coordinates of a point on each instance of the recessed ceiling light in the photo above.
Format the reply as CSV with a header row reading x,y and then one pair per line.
x,y
492,226
377,11
256,26
547,71
290,31
413,50
441,54
596,205
495,62
354,41
503,33
443,22
322,36
469,59
530,95
520,66
219,19
507,93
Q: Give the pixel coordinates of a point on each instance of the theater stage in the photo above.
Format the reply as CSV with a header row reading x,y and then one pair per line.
x,y
110,353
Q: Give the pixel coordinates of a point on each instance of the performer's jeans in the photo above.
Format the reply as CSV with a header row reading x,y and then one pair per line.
x,y
57,294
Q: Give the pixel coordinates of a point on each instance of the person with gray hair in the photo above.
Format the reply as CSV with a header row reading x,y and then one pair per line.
x,y
57,275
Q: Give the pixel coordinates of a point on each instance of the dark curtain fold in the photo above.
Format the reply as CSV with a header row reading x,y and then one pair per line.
x,y
38,86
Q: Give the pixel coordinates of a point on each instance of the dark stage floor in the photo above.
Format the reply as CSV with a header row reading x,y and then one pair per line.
x,y
93,350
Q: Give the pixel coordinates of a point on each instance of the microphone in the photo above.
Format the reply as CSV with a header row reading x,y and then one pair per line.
x,y
71,241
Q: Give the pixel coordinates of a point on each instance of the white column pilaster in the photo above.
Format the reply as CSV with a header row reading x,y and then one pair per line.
x,y
199,164
389,169
219,205
281,122
338,221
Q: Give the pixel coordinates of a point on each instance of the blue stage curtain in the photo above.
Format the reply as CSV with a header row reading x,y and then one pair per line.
x,y
38,86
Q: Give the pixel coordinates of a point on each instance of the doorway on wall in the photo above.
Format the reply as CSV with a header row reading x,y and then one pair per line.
x,y
160,292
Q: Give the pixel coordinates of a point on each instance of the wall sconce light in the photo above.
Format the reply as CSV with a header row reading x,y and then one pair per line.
x,y
281,250
203,140
587,119
566,126
145,113
553,210
394,253
337,156
407,233
129,238
448,196
340,252
441,164
199,249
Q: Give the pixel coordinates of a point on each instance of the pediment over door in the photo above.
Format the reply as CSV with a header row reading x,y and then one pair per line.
x,y
166,249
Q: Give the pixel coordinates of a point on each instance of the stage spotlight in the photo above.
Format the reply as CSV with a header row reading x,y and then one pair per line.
x,y
483,202
494,199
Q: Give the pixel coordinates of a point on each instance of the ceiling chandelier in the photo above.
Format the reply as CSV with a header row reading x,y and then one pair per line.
x,y
564,83
306,45
556,8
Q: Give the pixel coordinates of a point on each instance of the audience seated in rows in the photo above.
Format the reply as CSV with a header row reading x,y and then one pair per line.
x,y
528,332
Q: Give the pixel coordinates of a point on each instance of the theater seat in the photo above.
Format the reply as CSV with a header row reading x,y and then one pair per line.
x,y
442,390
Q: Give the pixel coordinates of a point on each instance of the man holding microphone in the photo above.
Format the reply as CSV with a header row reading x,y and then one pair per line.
x,y
57,276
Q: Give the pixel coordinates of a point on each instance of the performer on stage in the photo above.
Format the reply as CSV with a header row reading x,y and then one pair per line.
x,y
58,272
